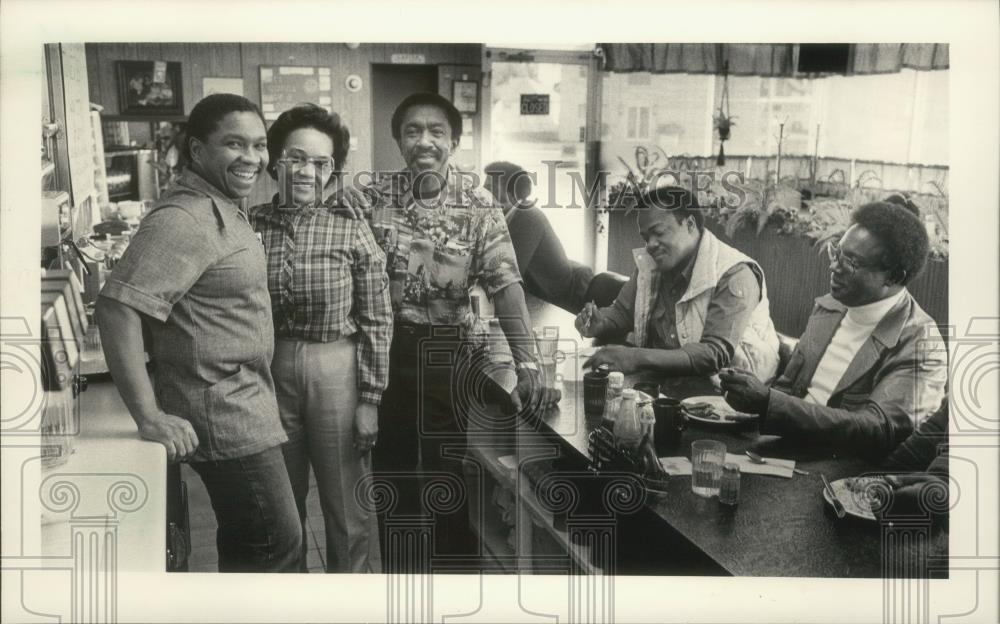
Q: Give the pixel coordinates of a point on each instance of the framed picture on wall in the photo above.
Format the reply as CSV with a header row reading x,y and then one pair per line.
x,y
150,88
465,96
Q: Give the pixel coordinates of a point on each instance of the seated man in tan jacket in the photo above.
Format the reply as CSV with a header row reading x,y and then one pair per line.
x,y
694,305
871,364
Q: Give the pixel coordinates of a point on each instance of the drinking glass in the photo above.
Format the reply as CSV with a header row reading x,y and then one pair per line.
x,y
547,343
707,458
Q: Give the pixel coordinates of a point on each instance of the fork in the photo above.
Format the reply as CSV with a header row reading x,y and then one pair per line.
x,y
757,459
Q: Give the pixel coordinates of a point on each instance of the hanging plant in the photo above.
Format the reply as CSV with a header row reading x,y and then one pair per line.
x,y
723,121
723,125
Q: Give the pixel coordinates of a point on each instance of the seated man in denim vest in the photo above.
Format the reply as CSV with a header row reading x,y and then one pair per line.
x,y
694,305
871,364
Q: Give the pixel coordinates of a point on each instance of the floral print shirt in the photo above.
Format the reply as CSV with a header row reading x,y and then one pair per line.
x,y
437,249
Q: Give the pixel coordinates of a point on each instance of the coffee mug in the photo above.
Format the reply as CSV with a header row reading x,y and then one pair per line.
x,y
595,387
670,422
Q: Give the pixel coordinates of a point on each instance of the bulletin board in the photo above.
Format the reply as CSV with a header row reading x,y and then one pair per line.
x,y
282,87
79,135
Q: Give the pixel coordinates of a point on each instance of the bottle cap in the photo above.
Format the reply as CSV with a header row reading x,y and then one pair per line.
x,y
628,393
616,379
474,301
731,468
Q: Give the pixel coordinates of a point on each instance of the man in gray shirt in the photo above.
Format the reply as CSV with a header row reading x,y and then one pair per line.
x,y
194,275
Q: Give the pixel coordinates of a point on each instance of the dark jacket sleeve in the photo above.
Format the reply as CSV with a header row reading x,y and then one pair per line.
x,y
871,423
548,273
926,449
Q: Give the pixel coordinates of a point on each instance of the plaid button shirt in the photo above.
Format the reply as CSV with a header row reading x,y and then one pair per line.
x,y
439,248
327,280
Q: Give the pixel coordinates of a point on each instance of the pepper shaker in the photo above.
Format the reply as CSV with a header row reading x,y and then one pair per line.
x,y
729,487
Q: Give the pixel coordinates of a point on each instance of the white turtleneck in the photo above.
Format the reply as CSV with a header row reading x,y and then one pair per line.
x,y
854,329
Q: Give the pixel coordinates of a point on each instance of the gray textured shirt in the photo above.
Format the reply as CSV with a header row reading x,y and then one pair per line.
x,y
197,272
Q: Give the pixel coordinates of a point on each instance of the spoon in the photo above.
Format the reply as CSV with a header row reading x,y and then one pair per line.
x,y
757,459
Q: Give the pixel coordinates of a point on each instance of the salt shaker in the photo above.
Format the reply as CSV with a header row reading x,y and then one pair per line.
x,y
729,487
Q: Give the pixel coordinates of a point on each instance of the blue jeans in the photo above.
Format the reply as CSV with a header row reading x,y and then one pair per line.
x,y
259,528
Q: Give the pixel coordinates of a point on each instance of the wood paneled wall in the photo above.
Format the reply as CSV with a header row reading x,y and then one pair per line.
x,y
242,60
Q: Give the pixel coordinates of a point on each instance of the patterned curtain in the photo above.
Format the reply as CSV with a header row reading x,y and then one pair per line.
x,y
763,59
882,58
699,58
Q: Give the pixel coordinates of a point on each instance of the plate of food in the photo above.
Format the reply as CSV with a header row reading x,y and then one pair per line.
x,y
858,495
713,410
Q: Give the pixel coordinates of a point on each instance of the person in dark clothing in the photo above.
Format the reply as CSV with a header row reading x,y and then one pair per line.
x,y
917,470
548,274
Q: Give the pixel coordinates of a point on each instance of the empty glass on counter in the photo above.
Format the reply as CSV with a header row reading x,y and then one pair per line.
x,y
707,458
547,343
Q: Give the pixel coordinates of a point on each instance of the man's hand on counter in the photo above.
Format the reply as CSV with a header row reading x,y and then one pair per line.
x,y
530,394
743,391
176,434
618,357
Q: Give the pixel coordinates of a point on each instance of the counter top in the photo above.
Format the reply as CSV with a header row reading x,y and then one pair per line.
x,y
781,527
113,482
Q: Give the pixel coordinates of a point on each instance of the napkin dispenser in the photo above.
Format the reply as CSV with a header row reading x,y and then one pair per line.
x,y
605,456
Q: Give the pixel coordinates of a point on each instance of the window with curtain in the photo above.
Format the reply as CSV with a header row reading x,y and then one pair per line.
x,y
897,117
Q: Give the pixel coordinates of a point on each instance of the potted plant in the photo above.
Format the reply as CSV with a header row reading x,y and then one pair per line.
x,y
723,125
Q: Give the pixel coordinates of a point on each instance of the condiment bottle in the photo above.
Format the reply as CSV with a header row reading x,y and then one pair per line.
x,y
729,486
616,383
628,431
647,420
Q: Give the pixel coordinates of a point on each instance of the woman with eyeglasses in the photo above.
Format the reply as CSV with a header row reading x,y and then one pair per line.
x,y
333,327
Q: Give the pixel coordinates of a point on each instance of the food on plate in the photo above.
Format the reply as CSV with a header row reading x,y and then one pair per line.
x,y
717,410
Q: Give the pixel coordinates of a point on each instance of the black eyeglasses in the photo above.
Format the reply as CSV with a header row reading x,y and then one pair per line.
x,y
848,263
